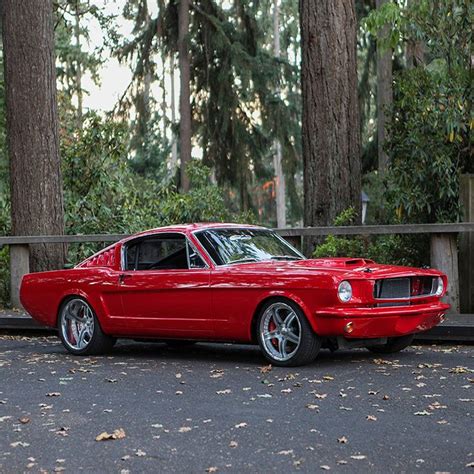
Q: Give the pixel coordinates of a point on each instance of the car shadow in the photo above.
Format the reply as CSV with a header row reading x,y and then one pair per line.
x,y
235,354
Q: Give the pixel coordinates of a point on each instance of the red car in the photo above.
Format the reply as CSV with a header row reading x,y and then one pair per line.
x,y
238,283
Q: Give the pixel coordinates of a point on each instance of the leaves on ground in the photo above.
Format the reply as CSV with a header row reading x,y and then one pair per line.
x,y
119,433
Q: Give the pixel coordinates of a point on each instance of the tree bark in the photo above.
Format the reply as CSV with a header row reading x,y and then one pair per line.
x,y
384,94
77,35
32,127
330,127
185,94
280,183
174,142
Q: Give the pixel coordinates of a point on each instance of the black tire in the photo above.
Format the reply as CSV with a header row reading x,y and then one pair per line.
x,y
179,344
393,345
97,343
309,343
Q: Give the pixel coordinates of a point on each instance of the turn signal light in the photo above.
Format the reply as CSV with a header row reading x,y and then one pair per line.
x,y
349,327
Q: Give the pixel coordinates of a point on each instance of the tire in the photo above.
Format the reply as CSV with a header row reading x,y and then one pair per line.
x,y
79,328
393,345
294,342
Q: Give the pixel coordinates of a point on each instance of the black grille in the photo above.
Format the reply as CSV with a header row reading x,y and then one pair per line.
x,y
392,288
406,287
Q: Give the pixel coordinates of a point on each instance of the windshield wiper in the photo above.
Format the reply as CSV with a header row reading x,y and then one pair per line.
x,y
285,257
243,260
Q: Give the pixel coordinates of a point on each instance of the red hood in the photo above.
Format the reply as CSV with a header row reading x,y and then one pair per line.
x,y
355,268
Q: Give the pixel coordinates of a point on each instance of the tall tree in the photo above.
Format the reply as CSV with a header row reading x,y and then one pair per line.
x,y
185,92
280,184
32,126
331,142
384,91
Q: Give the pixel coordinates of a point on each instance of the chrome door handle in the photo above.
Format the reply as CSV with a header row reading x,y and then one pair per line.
x,y
123,276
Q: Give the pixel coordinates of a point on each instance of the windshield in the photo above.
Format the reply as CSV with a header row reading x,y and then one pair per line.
x,y
228,246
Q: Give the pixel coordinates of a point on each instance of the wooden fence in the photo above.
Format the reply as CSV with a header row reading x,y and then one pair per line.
x,y
443,238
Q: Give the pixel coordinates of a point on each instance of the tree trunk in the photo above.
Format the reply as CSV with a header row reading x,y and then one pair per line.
x,y
330,128
184,95
280,183
174,142
32,127
384,93
77,34
415,49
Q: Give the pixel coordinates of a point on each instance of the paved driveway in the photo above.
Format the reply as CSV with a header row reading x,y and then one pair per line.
x,y
219,408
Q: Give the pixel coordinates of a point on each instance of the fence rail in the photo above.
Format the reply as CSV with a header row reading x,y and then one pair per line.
x,y
443,242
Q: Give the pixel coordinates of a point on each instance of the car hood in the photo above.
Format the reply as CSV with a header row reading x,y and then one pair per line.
x,y
355,268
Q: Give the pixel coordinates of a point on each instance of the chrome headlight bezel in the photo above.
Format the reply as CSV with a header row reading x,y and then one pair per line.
x,y
440,287
344,291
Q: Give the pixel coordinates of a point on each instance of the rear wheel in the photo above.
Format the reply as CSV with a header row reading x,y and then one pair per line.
x,y
284,334
79,328
393,345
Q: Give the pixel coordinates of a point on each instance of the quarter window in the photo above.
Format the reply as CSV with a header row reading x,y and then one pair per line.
x,y
163,252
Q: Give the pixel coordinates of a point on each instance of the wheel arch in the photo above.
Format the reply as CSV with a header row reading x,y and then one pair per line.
x,y
278,297
77,293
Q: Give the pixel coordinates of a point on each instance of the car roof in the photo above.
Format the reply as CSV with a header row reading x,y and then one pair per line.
x,y
186,228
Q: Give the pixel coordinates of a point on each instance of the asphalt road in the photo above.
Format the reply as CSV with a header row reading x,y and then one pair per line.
x,y
219,408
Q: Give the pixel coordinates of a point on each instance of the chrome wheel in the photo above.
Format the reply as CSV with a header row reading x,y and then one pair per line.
x,y
280,331
77,324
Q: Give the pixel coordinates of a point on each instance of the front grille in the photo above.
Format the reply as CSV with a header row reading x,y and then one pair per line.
x,y
404,288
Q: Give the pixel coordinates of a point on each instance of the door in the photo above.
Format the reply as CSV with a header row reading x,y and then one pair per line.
x,y
164,288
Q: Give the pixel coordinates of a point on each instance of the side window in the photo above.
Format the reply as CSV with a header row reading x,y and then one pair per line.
x,y
167,251
195,260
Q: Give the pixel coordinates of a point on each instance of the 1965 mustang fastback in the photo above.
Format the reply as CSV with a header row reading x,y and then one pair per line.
x,y
238,283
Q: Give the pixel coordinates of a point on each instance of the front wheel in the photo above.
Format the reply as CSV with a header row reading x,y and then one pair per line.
x,y
285,336
393,345
79,328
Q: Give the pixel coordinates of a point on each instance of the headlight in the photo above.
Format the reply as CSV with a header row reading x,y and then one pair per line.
x,y
344,291
440,287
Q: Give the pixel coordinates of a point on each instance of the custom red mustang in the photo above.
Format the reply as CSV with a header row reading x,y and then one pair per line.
x,y
240,283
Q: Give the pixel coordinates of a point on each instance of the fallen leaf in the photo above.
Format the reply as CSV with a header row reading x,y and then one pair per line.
x,y
212,469
140,453
285,452
184,429
312,406
117,434
371,418
24,420
460,370
320,395
422,413
385,397
233,444
265,369
286,390
21,444
328,377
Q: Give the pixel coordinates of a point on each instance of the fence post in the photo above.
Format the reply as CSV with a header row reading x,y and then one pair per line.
x,y
19,266
444,257
466,246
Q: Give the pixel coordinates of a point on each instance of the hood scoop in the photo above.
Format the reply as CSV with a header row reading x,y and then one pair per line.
x,y
342,262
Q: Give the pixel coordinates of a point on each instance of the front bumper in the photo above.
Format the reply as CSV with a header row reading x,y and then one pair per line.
x,y
389,321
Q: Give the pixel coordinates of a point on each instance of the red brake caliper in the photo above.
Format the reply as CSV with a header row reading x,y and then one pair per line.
x,y
272,327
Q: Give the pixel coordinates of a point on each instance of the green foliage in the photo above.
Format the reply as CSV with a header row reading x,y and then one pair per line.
x,y
104,195
386,249
429,140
